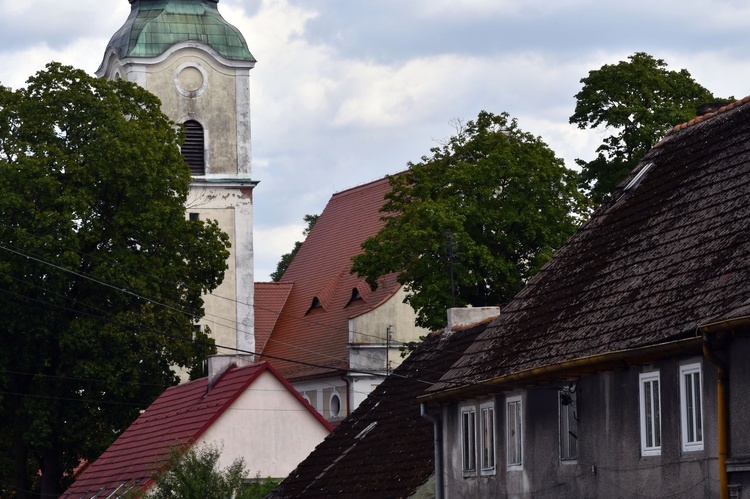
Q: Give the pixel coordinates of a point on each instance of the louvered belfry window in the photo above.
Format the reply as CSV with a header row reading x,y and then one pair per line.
x,y
192,149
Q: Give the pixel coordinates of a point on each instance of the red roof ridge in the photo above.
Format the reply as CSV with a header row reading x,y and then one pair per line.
x,y
364,186
704,117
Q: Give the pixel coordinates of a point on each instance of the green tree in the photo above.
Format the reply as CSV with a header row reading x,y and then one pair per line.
x,y
193,473
100,271
479,216
287,258
637,101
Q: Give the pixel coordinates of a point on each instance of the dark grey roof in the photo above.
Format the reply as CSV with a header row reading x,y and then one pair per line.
x,y
650,266
384,449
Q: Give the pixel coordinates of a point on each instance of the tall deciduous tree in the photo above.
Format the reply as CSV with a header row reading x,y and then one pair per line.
x,y
471,223
101,273
637,101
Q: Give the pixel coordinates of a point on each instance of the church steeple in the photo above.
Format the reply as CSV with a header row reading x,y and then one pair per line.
x,y
155,25
188,55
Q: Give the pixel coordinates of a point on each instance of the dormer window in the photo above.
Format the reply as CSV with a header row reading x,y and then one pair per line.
x,y
193,148
315,304
356,296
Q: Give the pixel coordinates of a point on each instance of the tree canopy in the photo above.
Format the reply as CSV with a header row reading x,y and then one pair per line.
x,y
287,258
193,473
478,217
101,273
637,101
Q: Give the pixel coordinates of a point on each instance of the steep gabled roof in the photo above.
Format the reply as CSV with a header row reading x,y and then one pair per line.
x,y
269,300
666,254
179,416
384,448
313,328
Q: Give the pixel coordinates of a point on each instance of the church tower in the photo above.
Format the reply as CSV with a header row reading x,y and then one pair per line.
x,y
185,53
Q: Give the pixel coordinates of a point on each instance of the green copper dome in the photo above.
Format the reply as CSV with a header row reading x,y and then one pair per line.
x,y
155,25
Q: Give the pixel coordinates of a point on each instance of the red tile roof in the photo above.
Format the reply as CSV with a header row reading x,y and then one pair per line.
x,y
270,298
179,416
667,254
317,339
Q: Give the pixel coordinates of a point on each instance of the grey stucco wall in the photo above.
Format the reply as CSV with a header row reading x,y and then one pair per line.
x,y
739,414
609,462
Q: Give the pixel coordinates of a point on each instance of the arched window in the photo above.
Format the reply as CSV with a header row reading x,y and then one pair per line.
x,y
193,148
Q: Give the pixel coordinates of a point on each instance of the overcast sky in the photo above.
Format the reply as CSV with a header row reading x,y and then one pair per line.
x,y
347,91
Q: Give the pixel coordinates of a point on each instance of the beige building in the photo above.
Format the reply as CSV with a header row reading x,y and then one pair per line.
x,y
185,53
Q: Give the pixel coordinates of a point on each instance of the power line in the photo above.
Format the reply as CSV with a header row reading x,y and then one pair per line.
x,y
225,321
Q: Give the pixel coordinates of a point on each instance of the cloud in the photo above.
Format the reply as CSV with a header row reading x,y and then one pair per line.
x,y
346,92
272,242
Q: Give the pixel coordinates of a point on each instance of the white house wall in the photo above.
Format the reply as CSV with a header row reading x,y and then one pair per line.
x,y
368,334
268,427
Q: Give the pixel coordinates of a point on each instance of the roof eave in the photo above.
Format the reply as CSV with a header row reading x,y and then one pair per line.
x,y
571,369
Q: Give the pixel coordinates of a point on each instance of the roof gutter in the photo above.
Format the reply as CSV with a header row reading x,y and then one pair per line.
x,y
570,369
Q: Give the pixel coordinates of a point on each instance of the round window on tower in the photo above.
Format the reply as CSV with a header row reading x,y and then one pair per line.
x,y
190,79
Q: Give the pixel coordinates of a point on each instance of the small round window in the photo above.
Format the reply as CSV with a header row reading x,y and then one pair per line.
x,y
335,405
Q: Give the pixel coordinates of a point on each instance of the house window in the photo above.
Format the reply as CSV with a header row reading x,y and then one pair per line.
x,y
469,439
650,414
568,425
193,148
514,432
487,426
691,407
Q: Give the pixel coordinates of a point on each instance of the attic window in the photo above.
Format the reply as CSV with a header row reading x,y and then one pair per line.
x,y
356,296
315,304
193,148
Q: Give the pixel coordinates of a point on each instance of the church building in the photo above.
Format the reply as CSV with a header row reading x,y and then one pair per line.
x,y
185,53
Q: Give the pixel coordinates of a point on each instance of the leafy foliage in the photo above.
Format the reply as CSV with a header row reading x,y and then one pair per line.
x,y
287,258
101,273
638,101
487,208
193,473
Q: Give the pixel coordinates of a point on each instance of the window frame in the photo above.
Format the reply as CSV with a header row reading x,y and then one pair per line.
x,y
468,445
488,443
566,415
514,433
696,423
650,420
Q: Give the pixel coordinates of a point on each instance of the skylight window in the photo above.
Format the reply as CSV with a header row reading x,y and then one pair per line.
x,y
639,176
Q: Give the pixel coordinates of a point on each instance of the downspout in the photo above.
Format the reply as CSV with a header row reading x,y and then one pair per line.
x,y
438,442
721,402
348,384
